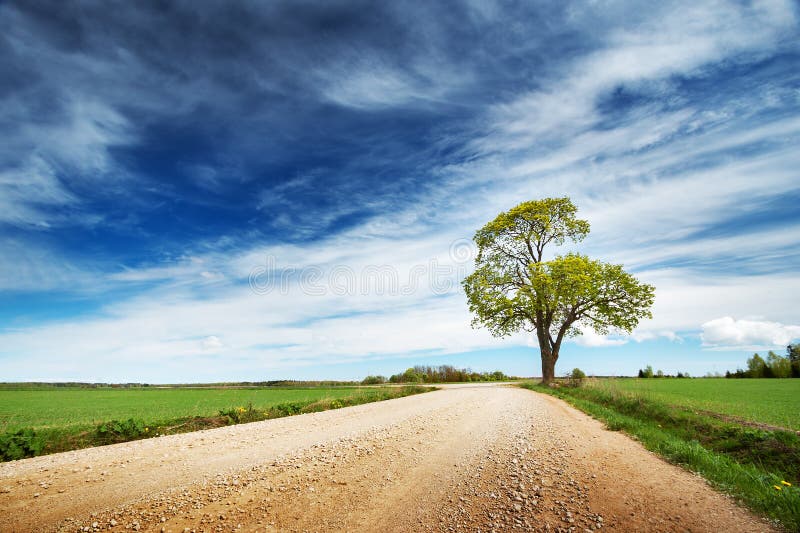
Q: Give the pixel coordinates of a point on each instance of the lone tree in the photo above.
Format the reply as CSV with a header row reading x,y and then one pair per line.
x,y
513,288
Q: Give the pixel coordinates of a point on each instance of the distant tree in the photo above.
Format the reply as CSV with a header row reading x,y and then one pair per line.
x,y
641,373
778,366
412,376
756,366
648,371
680,375
793,353
513,288
373,380
660,373
728,374
576,377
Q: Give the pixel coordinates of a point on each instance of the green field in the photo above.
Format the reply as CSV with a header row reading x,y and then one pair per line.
x,y
60,407
768,401
37,420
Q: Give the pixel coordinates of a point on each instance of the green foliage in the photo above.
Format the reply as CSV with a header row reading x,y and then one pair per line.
x,y
513,288
373,380
775,366
793,353
411,376
445,374
779,367
756,366
20,444
576,377
121,430
242,415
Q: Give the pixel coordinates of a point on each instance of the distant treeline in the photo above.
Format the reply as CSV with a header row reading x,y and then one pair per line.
x,y
437,374
775,366
647,372
69,385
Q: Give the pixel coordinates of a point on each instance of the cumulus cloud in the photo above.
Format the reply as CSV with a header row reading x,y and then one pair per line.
x,y
727,332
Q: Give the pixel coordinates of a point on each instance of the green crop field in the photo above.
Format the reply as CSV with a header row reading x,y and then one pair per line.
x,y
767,401
36,420
61,407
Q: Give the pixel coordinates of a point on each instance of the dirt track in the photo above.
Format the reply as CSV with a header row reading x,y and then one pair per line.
x,y
477,458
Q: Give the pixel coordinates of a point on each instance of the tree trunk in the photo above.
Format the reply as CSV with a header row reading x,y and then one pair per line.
x,y
549,356
548,368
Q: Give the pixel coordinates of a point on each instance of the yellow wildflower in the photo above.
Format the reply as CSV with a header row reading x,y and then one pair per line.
x,y
777,487
786,483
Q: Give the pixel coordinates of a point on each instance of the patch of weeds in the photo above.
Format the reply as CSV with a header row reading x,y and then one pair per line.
x,y
19,444
121,431
243,415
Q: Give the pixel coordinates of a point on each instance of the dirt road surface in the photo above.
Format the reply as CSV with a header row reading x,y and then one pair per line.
x,y
469,458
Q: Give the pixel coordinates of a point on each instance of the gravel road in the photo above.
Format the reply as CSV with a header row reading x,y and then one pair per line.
x,y
464,458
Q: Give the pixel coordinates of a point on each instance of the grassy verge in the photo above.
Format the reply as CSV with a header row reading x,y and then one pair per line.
x,y
19,443
760,468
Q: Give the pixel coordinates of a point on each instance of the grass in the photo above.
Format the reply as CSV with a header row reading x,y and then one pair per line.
x,y
54,407
767,401
744,461
49,420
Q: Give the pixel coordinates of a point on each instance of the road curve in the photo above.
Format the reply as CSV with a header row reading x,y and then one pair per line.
x,y
469,458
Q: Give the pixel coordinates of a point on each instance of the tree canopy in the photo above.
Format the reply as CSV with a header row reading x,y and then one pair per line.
x,y
513,288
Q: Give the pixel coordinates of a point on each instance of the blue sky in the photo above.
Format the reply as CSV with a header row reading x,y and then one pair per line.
x,y
207,192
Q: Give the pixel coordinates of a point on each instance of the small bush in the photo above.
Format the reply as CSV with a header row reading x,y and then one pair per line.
x,y
287,409
336,404
121,430
576,377
20,444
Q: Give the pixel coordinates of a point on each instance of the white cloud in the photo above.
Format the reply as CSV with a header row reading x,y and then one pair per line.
x,y
212,342
590,339
727,332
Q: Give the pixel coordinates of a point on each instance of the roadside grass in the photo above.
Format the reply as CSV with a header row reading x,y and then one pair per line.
x,y
20,442
759,467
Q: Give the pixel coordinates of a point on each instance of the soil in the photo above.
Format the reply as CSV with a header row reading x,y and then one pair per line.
x,y
464,458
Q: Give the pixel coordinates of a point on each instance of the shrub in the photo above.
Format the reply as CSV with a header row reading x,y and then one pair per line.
x,y
20,444
373,380
336,404
121,430
576,377
287,409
